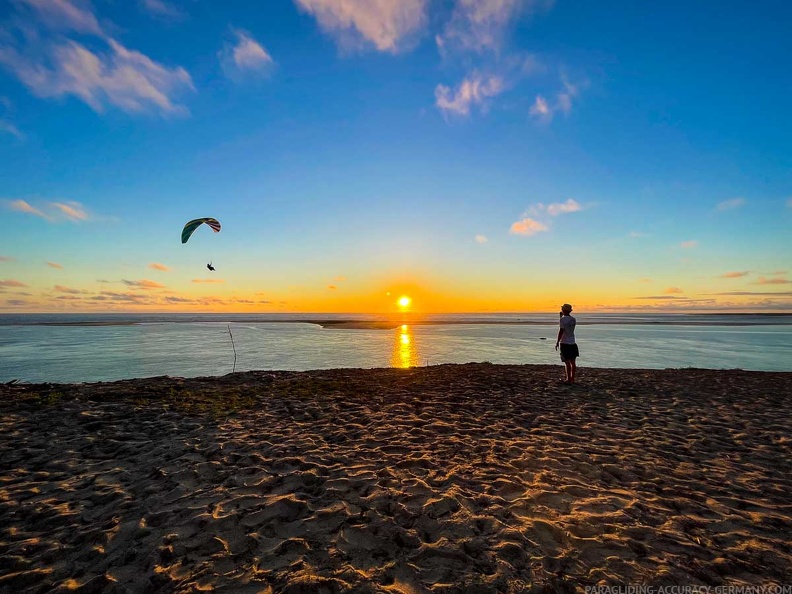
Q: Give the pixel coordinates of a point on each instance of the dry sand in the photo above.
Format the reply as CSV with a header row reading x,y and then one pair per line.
x,y
452,478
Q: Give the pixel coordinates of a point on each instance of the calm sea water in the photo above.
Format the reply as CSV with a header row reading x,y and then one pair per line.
x,y
34,350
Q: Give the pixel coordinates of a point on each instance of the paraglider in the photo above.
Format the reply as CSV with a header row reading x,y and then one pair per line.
x,y
191,226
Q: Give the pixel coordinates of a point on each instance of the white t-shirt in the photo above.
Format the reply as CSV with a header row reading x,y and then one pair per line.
x,y
567,323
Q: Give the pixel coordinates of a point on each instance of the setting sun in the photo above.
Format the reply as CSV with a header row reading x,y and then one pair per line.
x,y
404,302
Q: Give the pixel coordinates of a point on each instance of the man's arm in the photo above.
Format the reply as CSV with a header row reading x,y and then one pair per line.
x,y
560,334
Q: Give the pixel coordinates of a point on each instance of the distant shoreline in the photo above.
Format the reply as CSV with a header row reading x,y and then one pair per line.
x,y
352,324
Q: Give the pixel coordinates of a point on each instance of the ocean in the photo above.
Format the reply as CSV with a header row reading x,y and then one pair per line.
x,y
106,347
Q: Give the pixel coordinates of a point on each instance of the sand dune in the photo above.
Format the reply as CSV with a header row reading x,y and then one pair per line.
x,y
453,478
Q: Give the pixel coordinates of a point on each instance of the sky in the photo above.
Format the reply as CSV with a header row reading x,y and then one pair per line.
x,y
473,155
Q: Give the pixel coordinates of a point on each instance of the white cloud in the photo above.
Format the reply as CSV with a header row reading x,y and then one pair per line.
x,y
527,226
52,211
478,25
244,57
160,8
544,110
114,75
386,24
63,15
564,98
22,206
532,221
472,91
540,109
73,211
9,128
480,239
731,204
557,208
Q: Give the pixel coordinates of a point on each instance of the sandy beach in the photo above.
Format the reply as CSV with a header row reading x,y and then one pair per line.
x,y
451,478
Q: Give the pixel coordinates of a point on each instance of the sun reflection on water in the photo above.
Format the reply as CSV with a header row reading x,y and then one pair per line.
x,y
405,351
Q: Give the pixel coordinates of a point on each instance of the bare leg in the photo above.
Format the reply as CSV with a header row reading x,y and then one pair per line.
x,y
570,374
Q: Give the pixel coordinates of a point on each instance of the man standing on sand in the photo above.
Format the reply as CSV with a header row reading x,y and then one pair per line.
x,y
566,338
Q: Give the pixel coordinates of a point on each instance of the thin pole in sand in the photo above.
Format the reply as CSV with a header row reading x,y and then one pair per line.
x,y
233,347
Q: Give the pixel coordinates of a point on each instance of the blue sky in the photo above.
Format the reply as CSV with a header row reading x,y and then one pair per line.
x,y
478,155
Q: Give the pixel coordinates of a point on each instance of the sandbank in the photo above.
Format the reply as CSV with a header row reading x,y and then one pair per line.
x,y
471,478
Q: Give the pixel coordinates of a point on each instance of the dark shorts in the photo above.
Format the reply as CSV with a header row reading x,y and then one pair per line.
x,y
569,352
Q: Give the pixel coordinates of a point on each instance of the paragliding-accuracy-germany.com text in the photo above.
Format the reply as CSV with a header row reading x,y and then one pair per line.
x,y
636,589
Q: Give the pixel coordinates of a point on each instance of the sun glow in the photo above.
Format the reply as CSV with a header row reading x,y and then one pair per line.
x,y
404,302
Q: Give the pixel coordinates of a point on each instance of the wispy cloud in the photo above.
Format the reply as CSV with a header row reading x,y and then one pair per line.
x,y
332,287
6,126
119,297
388,25
540,109
6,259
637,234
115,75
63,15
158,266
162,9
527,226
673,291
480,239
54,265
69,290
207,280
750,293
730,204
480,25
9,283
789,203
245,57
143,284
557,208
734,274
22,206
660,297
71,211
537,217
17,302
474,90
544,109
692,243
339,279
772,281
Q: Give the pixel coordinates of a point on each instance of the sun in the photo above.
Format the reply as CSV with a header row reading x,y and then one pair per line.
x,y
404,302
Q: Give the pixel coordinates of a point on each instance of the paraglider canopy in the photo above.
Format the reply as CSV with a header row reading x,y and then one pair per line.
x,y
190,227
